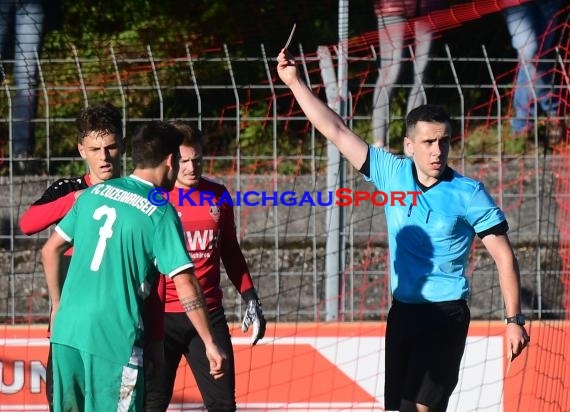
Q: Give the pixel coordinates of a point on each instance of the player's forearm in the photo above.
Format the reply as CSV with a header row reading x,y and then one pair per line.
x,y
194,304
330,124
51,261
197,312
52,253
319,114
509,275
509,281
236,265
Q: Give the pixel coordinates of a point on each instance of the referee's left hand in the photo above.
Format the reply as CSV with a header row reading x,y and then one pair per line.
x,y
517,338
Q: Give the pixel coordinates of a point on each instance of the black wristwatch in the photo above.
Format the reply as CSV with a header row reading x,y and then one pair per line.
x,y
519,319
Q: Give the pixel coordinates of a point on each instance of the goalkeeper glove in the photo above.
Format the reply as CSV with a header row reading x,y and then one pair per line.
x,y
254,316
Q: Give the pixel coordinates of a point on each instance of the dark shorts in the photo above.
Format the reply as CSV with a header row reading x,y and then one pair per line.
x,y
182,339
424,347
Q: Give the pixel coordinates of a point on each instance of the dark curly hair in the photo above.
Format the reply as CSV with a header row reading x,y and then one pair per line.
x,y
101,117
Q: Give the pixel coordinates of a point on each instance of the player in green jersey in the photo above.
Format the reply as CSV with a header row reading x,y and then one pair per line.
x,y
121,242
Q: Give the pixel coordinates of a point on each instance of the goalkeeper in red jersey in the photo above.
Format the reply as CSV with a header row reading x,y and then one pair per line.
x,y
211,236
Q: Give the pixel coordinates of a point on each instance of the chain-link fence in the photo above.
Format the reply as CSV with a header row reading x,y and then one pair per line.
x,y
257,139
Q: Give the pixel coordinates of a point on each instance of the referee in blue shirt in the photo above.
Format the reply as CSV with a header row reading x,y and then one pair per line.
x,y
429,240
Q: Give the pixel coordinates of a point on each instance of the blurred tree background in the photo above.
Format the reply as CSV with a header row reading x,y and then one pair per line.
x,y
206,24
89,28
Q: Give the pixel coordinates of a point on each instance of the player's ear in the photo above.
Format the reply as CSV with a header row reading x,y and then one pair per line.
x,y
81,150
408,147
170,160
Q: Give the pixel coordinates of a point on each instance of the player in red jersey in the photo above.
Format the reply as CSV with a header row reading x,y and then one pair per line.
x,y
211,236
100,144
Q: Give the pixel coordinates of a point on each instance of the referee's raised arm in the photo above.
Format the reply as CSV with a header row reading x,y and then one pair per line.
x,y
329,123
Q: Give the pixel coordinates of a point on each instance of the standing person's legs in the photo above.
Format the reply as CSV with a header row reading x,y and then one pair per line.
x,y
64,266
391,31
422,48
68,378
546,23
49,381
154,377
521,24
28,31
424,347
218,394
6,25
159,387
87,383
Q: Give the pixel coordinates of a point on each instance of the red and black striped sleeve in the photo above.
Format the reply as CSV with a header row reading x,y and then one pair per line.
x,y
54,204
231,253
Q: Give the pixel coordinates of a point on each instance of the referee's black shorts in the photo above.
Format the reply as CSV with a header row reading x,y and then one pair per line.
x,y
424,346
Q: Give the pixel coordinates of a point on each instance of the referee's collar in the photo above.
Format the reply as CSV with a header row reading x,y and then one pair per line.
x,y
446,176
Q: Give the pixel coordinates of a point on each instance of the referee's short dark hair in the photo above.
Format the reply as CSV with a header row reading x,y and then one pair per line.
x,y
430,113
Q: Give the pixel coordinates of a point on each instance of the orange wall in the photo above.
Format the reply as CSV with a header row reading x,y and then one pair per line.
x,y
286,368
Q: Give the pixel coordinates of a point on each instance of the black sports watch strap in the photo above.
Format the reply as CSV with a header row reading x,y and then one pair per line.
x,y
519,319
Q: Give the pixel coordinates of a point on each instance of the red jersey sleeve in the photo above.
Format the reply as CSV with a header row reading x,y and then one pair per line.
x,y
231,254
40,217
54,204
161,288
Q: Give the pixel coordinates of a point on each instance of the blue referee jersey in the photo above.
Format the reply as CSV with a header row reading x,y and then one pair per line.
x,y
430,240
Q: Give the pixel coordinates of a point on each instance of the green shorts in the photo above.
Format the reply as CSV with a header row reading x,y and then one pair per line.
x,y
87,383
